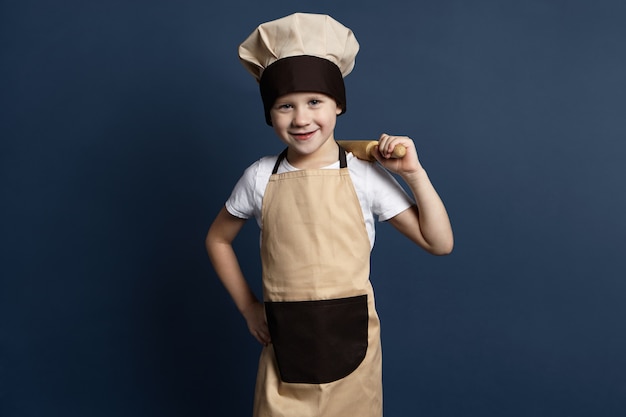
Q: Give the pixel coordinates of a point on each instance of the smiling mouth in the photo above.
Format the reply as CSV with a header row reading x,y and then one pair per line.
x,y
303,136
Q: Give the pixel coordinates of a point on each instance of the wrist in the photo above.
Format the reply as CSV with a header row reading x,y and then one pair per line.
x,y
415,176
249,307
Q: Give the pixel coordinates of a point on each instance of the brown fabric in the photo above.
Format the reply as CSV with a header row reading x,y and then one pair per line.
x,y
301,74
318,342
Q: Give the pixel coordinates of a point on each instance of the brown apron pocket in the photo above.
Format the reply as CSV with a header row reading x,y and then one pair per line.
x,y
317,342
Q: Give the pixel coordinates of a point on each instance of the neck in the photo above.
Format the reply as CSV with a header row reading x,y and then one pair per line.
x,y
325,155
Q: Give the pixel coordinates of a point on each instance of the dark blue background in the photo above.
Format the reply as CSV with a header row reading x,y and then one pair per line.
x,y
125,124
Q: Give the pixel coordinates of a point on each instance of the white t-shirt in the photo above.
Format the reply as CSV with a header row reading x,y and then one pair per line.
x,y
378,191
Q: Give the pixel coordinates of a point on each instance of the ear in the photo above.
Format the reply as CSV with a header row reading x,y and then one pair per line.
x,y
339,110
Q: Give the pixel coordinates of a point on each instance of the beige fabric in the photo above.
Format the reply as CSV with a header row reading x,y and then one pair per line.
x,y
299,34
315,246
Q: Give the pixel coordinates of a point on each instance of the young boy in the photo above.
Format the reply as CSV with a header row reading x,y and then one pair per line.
x,y
315,205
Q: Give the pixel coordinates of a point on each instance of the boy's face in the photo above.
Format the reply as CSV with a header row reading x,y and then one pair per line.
x,y
305,121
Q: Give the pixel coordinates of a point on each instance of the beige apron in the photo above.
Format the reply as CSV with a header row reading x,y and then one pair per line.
x,y
325,357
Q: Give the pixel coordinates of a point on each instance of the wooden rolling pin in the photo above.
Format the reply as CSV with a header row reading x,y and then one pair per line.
x,y
362,149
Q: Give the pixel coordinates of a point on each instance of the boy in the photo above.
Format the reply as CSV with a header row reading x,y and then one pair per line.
x,y
315,206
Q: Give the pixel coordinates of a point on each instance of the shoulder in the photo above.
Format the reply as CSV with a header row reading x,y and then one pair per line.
x,y
246,197
358,166
366,171
266,164
257,175
260,168
380,189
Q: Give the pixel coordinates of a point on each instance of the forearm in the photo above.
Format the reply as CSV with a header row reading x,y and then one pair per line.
x,y
219,246
220,249
434,224
227,268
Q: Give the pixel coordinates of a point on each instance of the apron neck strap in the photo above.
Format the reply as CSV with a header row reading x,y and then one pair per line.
x,y
342,159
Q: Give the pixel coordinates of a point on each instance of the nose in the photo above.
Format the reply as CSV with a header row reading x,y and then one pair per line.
x,y
301,117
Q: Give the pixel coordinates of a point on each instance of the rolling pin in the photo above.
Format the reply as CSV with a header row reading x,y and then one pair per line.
x,y
362,149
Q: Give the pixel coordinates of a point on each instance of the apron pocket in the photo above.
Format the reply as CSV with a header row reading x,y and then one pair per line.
x,y
317,342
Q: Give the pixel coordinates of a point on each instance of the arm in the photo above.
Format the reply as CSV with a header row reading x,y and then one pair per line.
x,y
219,246
427,223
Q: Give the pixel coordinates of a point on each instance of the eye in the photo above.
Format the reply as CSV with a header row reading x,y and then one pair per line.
x,y
284,106
315,102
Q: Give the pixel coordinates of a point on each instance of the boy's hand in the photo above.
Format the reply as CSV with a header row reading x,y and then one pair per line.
x,y
257,323
407,165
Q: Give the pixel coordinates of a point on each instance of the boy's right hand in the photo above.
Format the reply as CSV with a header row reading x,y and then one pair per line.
x,y
257,322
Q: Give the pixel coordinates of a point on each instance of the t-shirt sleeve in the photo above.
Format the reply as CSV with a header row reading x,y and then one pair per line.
x,y
388,197
241,202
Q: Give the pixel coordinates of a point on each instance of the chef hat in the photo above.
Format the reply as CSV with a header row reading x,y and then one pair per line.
x,y
299,53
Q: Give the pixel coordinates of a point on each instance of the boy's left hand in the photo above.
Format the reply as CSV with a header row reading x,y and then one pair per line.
x,y
406,165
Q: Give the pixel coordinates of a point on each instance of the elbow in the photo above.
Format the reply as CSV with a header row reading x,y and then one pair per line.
x,y
441,252
442,249
210,241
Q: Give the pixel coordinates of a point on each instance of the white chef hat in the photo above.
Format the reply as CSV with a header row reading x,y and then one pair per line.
x,y
299,53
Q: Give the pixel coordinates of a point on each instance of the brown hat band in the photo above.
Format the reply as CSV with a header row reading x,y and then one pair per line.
x,y
302,73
